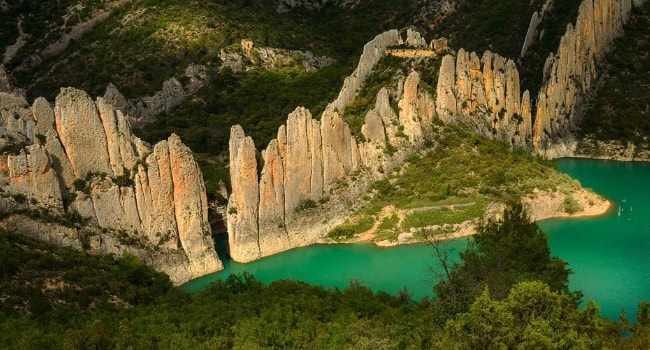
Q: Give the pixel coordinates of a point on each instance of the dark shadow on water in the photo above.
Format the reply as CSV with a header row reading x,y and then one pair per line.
x,y
221,245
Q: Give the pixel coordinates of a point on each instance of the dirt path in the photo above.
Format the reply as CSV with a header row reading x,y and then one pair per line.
x,y
390,210
385,212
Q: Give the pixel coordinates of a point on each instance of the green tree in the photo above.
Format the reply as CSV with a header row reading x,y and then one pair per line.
x,y
531,317
503,253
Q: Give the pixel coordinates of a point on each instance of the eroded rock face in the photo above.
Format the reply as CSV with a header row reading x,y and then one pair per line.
x,y
311,161
78,136
372,52
31,174
571,72
243,205
80,156
484,94
172,93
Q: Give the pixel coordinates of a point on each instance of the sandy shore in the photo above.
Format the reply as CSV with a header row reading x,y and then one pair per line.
x,y
545,205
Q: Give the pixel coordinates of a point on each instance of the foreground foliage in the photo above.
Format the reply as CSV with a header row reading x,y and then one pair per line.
x,y
503,253
243,313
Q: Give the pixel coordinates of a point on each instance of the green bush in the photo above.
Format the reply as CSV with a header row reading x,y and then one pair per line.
x,y
570,205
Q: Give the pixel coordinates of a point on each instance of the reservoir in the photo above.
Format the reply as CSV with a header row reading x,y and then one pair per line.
x,y
609,255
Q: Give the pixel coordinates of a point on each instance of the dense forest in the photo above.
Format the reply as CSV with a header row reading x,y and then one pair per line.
x,y
495,297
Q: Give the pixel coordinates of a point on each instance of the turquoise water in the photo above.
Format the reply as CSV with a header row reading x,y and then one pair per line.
x,y
610,255
381,269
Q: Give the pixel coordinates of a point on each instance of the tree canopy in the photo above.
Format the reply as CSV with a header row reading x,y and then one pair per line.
x,y
503,253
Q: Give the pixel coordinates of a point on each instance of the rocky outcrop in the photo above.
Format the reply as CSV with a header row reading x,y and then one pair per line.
x,y
372,52
4,80
532,33
78,159
271,58
570,73
305,182
307,168
172,94
243,204
483,93
415,39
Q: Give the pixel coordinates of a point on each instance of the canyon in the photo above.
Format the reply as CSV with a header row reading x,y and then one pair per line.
x,y
73,173
309,160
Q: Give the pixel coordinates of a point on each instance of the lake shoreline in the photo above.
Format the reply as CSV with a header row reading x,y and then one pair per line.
x,y
542,205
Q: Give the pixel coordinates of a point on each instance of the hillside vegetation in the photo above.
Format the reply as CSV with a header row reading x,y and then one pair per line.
x,y
144,42
450,183
53,298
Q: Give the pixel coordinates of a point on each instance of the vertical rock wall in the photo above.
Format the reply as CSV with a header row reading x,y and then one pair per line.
x,y
570,73
483,93
309,162
82,152
372,52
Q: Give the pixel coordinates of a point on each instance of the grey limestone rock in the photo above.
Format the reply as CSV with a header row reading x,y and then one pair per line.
x,y
570,73
172,93
156,195
372,52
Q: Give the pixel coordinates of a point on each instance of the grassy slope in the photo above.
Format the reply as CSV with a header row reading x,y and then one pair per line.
x,y
462,168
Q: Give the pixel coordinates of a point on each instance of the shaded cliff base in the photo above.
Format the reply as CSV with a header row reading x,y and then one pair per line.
x,y
612,150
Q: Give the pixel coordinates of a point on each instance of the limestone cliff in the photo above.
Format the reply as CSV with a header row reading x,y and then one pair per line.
x,y
314,168
372,52
74,174
305,179
570,73
484,94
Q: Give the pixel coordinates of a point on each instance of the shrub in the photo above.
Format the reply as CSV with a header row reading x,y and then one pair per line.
x,y
306,205
571,205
